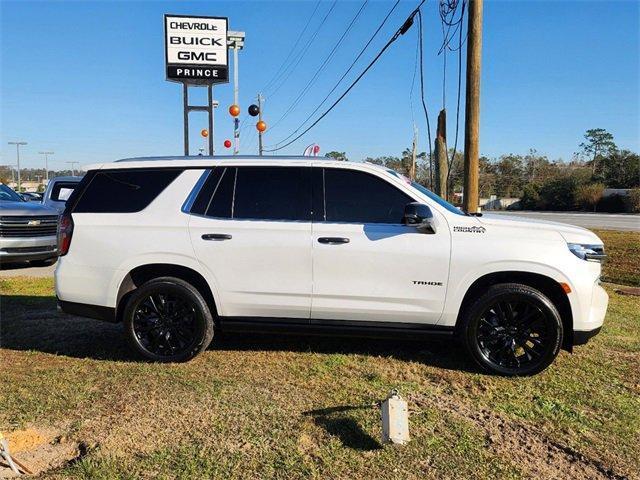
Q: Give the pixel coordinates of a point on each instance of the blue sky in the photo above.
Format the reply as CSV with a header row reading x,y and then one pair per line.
x,y
86,79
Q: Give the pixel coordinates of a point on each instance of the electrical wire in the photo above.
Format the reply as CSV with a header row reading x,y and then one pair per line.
x,y
401,31
293,48
424,105
304,51
324,100
310,83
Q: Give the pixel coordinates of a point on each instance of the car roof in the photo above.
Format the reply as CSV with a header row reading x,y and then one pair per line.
x,y
201,161
65,179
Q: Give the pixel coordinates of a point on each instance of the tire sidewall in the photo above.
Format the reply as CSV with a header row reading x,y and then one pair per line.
x,y
204,319
511,292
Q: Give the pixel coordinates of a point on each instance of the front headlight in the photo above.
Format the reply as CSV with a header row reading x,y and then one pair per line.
x,y
592,253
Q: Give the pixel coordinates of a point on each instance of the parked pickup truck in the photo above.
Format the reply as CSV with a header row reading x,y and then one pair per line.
x,y
27,230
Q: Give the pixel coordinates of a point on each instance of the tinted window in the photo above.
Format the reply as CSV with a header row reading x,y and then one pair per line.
x,y
61,191
358,197
273,193
123,191
201,203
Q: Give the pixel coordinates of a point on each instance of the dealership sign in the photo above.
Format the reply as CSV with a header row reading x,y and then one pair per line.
x,y
196,49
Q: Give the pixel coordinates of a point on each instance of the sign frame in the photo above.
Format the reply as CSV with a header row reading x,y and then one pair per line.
x,y
200,81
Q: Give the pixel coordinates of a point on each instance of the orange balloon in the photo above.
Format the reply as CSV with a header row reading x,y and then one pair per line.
x,y
234,110
261,126
204,132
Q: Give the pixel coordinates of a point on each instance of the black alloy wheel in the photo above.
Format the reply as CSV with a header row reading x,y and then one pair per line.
x,y
167,320
513,330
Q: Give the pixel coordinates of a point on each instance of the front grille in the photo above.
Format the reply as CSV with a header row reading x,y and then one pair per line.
x,y
27,227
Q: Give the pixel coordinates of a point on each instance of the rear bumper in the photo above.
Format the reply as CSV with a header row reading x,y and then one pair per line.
x,y
580,337
106,314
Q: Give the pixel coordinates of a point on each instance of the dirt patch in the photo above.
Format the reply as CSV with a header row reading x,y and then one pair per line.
x,y
39,450
529,448
635,291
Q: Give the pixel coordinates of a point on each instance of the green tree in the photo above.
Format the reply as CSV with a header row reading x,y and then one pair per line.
x,y
530,199
560,193
342,156
621,169
597,145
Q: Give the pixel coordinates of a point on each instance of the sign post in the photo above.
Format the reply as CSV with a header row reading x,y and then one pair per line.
x,y
196,53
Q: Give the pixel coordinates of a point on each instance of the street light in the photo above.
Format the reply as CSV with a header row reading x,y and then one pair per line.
x,y
46,164
17,144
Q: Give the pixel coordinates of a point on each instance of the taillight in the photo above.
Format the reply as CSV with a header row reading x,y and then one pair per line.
x,y
65,231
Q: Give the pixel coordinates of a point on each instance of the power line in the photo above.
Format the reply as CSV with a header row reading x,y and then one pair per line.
x,y
459,49
305,49
424,105
293,48
324,100
401,31
319,70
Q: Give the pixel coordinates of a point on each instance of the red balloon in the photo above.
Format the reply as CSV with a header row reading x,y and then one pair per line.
x,y
227,143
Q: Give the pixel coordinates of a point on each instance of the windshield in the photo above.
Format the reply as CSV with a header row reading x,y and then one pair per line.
x,y
8,195
439,200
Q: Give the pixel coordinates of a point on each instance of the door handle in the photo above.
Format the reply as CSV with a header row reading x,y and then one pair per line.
x,y
333,240
216,236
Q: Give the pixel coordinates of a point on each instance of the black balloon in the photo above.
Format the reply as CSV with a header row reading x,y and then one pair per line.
x,y
253,110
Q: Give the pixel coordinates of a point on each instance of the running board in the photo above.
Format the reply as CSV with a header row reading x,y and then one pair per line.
x,y
296,326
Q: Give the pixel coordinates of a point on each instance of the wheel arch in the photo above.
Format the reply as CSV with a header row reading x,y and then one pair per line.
x,y
143,273
550,287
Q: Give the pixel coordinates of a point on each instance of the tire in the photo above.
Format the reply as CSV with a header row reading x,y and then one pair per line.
x,y
43,263
512,330
167,320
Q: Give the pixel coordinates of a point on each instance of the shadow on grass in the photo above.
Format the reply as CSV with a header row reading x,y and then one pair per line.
x,y
33,323
336,422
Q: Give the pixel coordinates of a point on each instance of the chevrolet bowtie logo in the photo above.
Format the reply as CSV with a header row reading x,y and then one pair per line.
x,y
33,223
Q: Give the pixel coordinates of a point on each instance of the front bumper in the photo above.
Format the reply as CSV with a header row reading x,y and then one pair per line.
x,y
24,249
592,324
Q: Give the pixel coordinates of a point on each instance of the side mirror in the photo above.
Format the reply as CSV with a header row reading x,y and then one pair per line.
x,y
419,215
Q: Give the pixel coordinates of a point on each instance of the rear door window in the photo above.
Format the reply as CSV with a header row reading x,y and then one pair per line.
x,y
256,193
124,191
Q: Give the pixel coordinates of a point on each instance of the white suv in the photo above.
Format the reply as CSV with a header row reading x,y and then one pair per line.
x,y
178,248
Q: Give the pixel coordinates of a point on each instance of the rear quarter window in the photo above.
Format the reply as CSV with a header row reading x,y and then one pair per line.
x,y
123,191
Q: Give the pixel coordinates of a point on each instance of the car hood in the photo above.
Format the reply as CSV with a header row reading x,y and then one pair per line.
x,y
27,209
570,233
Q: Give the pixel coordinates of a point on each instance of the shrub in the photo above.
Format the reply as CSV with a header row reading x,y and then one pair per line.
x,y
633,201
530,197
559,193
589,195
613,204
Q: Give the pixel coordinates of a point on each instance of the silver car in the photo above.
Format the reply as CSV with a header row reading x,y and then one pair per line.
x,y
59,189
28,230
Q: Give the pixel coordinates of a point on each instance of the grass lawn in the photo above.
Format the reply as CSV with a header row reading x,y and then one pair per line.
x,y
623,262
273,407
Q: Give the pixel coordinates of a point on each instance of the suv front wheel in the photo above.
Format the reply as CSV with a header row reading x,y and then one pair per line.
x,y
167,320
512,330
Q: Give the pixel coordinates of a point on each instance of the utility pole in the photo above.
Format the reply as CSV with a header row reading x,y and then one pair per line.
x,y
73,170
235,40
46,164
18,144
259,120
442,167
472,107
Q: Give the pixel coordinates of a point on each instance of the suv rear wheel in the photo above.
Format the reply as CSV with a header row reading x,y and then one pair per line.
x,y
512,330
167,320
